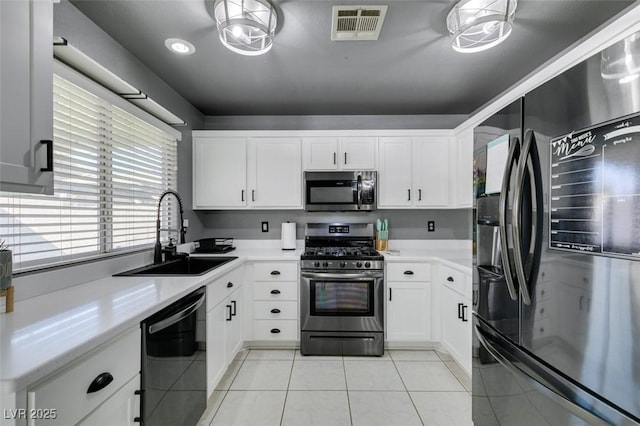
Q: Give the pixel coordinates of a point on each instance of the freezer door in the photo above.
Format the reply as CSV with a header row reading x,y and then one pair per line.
x,y
584,315
511,388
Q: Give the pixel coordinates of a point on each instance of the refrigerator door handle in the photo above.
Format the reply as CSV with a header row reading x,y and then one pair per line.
x,y
551,385
504,243
516,219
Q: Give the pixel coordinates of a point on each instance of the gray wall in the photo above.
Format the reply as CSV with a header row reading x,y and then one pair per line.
x,y
332,122
403,224
83,34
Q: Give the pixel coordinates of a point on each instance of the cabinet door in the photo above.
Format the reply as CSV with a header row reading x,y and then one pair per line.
x,y
464,169
357,153
394,172
219,173
320,153
275,172
408,311
431,171
233,329
120,409
216,358
26,104
456,333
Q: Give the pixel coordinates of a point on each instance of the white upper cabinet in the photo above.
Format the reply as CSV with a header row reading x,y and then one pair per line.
x,y
414,172
431,165
219,173
339,153
464,171
320,153
274,171
394,172
26,101
357,153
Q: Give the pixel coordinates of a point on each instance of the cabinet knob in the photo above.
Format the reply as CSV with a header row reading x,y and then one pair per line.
x,y
275,330
49,166
229,284
276,291
275,311
450,279
100,382
275,272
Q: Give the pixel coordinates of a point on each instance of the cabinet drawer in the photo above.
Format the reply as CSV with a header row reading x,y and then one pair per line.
x,y
453,279
283,310
224,286
275,271
275,291
68,392
275,330
408,271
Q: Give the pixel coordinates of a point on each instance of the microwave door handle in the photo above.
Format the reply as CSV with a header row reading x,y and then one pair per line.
x,y
359,191
516,219
504,243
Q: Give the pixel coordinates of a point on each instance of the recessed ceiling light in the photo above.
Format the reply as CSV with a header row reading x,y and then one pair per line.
x,y
179,47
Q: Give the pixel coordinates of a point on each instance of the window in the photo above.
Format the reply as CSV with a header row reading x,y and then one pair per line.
x,y
110,167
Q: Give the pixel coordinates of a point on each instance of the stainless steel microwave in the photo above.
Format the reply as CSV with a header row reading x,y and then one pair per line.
x,y
340,191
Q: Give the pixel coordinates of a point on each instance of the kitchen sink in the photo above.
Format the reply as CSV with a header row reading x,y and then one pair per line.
x,y
179,267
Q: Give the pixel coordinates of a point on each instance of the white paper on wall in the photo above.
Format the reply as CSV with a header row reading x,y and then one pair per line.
x,y
497,153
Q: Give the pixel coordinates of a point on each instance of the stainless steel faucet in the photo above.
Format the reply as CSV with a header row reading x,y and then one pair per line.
x,y
157,250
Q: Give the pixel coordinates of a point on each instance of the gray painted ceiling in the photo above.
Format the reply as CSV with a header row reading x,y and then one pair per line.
x,y
411,69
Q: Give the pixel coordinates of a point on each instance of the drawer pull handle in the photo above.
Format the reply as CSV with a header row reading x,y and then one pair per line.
x,y
100,382
49,166
233,308
460,310
275,291
229,284
464,313
275,330
450,279
408,272
275,311
229,314
275,272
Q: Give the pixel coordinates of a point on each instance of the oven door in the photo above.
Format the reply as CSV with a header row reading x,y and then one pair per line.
x,y
344,301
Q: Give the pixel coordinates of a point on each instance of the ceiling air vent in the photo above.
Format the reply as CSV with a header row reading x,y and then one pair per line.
x,y
352,23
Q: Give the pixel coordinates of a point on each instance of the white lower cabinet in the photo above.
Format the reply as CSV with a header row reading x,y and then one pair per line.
x,y
456,314
225,313
274,316
408,302
106,380
121,409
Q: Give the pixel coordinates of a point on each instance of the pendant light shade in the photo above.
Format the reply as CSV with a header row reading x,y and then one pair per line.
x,y
478,25
246,26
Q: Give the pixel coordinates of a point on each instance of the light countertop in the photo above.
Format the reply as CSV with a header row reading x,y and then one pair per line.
x,y
46,332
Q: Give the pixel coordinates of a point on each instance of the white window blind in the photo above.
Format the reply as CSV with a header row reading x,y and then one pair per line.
x,y
109,169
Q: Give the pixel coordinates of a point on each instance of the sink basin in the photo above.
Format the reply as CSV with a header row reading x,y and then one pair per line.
x,y
179,267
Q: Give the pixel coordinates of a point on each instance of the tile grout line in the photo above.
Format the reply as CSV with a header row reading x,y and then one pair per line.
x,y
286,394
406,390
346,386
226,391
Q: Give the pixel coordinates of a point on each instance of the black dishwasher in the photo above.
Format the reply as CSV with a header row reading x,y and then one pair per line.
x,y
174,368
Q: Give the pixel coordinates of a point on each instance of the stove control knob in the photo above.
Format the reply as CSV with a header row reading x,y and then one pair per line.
x,y
316,264
367,264
325,264
343,264
359,264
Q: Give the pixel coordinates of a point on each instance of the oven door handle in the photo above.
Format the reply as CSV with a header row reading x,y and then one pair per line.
x,y
343,277
162,324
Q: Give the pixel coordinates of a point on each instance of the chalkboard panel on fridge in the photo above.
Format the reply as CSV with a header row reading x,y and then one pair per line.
x,y
594,204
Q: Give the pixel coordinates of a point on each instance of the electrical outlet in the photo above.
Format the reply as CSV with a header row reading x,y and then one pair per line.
x,y
265,226
431,226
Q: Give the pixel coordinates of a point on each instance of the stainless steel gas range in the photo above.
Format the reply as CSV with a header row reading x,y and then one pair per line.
x,y
341,291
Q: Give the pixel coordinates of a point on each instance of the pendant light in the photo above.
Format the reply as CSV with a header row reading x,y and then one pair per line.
x,y
477,25
246,26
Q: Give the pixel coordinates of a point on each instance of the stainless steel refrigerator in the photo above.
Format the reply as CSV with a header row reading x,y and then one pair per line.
x,y
557,250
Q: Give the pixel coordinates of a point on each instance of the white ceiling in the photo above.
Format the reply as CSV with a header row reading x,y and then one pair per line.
x,y
411,69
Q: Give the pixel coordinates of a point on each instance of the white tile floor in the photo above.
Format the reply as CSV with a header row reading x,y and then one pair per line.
x,y
282,387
